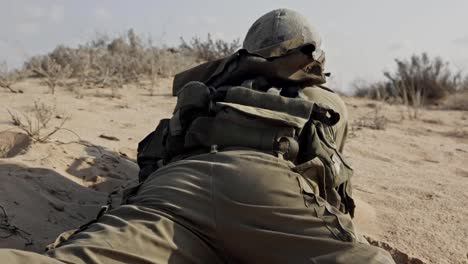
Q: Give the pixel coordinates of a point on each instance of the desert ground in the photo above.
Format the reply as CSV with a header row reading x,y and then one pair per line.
x,y
411,174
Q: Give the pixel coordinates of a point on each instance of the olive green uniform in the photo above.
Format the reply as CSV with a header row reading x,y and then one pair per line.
x,y
234,206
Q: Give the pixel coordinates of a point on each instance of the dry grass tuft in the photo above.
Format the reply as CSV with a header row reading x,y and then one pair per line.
x,y
36,123
374,120
209,49
457,101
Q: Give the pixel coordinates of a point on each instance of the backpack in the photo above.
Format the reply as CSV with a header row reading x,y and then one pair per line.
x,y
207,119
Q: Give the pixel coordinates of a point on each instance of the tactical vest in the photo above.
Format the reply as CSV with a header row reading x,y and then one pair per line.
x,y
208,120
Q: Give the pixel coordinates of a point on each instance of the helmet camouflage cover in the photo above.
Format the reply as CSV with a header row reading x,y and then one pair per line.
x,y
279,26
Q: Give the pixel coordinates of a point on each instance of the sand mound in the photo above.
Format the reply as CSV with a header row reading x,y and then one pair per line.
x,y
65,189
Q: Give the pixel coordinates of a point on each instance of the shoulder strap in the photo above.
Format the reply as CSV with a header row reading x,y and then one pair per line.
x,y
151,150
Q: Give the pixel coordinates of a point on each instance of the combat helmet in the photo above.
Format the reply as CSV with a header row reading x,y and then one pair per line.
x,y
281,49
281,30
278,26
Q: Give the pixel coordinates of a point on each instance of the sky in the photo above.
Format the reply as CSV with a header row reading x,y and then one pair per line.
x,y
361,37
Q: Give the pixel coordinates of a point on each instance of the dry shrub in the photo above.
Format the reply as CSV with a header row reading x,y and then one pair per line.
x,y
457,101
36,123
209,49
374,120
53,73
126,59
416,82
8,78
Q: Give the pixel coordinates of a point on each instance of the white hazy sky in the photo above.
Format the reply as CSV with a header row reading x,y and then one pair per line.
x,y
362,37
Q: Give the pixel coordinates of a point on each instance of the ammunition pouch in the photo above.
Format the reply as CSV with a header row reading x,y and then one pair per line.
x,y
294,129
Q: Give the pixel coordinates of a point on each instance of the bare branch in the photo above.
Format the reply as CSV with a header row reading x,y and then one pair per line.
x,y
36,124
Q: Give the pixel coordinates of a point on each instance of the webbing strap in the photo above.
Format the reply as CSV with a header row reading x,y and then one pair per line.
x,y
209,131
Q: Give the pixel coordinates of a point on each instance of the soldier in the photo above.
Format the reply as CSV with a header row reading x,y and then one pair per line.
x,y
248,169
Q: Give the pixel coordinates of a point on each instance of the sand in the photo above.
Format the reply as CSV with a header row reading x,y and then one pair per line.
x,y
411,178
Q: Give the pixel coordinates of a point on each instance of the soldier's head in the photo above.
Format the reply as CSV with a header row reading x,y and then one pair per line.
x,y
282,30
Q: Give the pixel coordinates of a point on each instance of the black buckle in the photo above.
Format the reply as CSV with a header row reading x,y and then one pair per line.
x,y
325,115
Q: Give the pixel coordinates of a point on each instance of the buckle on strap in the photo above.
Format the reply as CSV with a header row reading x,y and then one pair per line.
x,y
286,147
325,115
